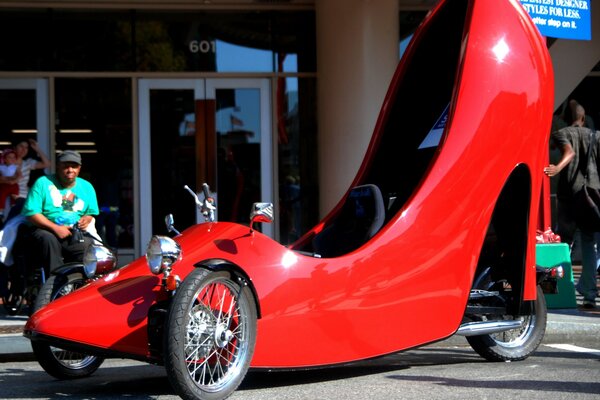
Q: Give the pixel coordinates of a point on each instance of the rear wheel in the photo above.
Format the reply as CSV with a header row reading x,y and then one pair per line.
x,y
62,364
515,344
210,335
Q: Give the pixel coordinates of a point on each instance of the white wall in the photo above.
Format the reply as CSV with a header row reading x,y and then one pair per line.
x,y
357,53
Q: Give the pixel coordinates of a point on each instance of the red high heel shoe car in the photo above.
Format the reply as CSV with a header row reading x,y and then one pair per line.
x,y
436,237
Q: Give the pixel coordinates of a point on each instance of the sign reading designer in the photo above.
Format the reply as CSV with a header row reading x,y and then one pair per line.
x,y
564,19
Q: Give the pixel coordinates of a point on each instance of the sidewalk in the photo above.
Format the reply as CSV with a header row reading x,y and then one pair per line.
x,y
572,326
13,346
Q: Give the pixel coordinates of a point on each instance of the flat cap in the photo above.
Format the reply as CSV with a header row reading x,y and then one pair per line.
x,y
69,156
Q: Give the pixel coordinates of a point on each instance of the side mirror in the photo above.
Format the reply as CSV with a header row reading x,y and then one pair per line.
x,y
261,212
169,221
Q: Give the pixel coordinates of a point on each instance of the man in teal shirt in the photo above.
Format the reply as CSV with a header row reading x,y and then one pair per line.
x,y
55,207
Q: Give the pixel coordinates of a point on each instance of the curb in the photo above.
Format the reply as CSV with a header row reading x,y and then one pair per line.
x,y
15,347
581,332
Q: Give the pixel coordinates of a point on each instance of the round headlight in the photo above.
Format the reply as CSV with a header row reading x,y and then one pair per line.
x,y
162,252
98,260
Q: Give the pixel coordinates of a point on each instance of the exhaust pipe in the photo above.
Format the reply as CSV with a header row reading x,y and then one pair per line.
x,y
487,327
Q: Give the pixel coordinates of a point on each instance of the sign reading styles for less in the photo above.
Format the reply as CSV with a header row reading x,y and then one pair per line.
x,y
564,19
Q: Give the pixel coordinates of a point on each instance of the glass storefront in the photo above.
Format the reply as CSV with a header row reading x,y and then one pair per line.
x,y
92,60
93,117
297,152
150,41
18,115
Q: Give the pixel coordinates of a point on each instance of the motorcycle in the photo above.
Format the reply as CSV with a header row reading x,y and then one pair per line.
x,y
59,362
27,286
24,278
24,281
434,237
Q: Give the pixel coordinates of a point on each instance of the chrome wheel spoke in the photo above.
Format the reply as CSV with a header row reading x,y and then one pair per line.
x,y
71,359
215,331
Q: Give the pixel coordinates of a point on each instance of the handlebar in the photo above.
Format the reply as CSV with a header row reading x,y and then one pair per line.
x,y
196,199
205,191
207,207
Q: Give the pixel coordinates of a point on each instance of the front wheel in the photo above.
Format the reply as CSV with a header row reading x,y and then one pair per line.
x,y
515,344
210,335
59,363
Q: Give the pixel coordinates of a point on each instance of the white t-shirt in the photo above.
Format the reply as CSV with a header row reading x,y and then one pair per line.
x,y
8,170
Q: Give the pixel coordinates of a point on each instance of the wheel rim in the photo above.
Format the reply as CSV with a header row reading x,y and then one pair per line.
x,y
71,359
68,288
516,337
216,343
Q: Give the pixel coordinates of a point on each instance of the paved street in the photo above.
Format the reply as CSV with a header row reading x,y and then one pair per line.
x,y
455,372
566,365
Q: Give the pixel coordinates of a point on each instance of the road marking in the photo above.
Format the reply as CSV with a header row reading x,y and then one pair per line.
x,y
576,349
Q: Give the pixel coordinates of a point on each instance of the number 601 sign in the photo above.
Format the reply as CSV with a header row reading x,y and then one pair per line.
x,y
202,46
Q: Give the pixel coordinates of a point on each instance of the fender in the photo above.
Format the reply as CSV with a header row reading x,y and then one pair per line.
x,y
221,264
69,268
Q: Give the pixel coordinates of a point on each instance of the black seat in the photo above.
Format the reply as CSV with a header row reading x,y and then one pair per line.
x,y
360,218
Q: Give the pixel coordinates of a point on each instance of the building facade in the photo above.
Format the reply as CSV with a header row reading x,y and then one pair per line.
x,y
264,100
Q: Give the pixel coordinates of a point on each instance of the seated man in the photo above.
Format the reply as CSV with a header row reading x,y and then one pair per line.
x,y
56,208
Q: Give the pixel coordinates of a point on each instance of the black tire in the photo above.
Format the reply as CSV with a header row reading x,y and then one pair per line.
x,y
59,363
516,344
210,335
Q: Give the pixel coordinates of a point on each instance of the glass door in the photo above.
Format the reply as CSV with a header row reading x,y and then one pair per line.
x,y
194,131
25,115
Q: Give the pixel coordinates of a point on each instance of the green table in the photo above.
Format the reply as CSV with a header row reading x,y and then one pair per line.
x,y
552,255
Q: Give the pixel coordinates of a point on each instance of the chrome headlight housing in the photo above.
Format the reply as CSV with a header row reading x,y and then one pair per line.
x,y
162,253
98,260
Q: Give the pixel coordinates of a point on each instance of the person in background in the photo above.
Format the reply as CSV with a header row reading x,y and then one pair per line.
x,y
9,175
58,207
26,165
574,143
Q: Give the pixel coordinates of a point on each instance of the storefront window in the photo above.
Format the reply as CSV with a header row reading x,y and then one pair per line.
x,y
297,144
295,42
18,120
226,41
94,118
25,40
151,41
228,56
94,115
65,40
90,41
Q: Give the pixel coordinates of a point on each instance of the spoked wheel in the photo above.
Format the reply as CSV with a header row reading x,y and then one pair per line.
x,y
210,335
62,364
516,344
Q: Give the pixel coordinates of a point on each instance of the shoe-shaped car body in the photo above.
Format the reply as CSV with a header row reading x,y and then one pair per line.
x,y
435,237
